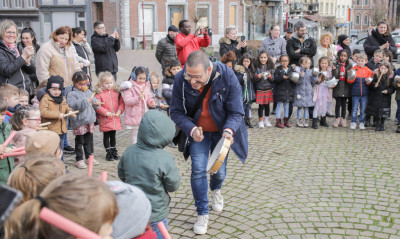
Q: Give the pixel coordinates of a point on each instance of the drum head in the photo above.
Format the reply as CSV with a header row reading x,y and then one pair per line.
x,y
215,153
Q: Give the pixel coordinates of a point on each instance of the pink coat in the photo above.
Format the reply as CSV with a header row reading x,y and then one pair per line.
x,y
135,107
112,103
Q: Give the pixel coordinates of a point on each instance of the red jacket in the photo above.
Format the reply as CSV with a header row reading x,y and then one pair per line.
x,y
113,102
187,44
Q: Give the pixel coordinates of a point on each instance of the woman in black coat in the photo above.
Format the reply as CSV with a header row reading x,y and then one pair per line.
x,y
231,43
380,96
380,38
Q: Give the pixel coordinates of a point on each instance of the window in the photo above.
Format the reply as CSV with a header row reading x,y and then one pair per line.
x,y
17,3
358,2
79,2
233,15
343,11
326,8
47,2
5,3
81,20
332,9
31,3
365,20
21,25
366,2
176,14
203,16
149,21
358,20
63,2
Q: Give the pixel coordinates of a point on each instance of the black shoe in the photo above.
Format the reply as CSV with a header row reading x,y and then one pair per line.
x,y
398,129
315,123
69,150
323,122
382,124
109,155
367,123
114,153
248,123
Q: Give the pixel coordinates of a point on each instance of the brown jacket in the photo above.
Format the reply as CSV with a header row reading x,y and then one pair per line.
x,y
50,112
50,62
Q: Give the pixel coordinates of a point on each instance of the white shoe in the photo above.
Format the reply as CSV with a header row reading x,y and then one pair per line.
x,y
260,124
200,227
267,123
217,201
305,123
353,125
361,126
95,162
299,123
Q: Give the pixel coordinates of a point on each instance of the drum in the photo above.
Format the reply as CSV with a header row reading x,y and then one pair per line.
x,y
218,156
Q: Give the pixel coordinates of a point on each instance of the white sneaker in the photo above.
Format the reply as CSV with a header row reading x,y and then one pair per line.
x,y
305,123
200,227
267,123
361,126
353,125
95,162
217,201
260,124
299,123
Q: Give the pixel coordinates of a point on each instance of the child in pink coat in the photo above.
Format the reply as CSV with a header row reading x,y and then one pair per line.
x,y
138,99
109,112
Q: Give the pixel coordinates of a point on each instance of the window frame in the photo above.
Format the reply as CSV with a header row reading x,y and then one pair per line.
x,y
140,20
236,14
209,11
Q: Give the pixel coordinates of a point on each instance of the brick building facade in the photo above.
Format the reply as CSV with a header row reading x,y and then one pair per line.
x,y
363,13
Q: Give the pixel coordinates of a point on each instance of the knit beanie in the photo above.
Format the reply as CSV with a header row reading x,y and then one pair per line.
x,y
134,210
42,143
55,82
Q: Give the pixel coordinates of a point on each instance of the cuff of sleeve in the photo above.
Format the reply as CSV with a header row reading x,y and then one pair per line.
x,y
228,130
191,132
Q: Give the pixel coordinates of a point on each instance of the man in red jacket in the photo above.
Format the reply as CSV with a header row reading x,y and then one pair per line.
x,y
187,43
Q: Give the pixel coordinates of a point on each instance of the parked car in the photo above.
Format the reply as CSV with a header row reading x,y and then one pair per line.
x,y
359,45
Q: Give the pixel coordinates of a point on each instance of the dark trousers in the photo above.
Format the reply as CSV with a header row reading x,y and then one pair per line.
x,y
62,136
109,139
86,141
340,107
290,109
261,109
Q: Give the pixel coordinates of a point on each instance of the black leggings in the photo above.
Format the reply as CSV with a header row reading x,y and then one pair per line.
x,y
86,141
109,139
340,108
261,109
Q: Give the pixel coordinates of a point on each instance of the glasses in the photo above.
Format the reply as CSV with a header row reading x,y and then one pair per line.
x,y
196,78
37,120
11,33
103,27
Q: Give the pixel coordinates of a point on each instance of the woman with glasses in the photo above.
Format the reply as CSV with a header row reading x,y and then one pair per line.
x,y
14,66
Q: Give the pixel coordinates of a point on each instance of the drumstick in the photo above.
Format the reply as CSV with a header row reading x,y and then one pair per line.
x,y
8,140
18,149
42,128
379,80
18,153
44,124
91,97
90,166
66,225
163,230
201,131
73,113
103,176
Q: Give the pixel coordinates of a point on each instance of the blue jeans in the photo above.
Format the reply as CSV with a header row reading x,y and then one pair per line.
x,y
285,109
398,112
199,153
156,230
62,136
362,100
305,114
247,108
65,140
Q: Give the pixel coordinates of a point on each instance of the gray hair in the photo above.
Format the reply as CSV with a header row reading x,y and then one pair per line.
x,y
5,25
198,58
229,29
299,25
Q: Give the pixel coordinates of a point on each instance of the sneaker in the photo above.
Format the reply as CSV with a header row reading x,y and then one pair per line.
x,y
80,164
200,227
299,123
353,125
217,201
69,150
361,126
95,162
305,123
267,123
260,124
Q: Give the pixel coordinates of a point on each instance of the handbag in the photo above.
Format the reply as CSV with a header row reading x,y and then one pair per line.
x,y
180,138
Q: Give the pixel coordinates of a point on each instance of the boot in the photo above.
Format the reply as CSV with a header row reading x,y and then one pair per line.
x,y
398,129
114,153
286,122
323,121
382,124
377,124
248,123
343,122
278,124
336,123
315,123
109,156
374,122
367,122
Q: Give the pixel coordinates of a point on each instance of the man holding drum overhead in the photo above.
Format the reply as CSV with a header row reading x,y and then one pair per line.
x,y
205,119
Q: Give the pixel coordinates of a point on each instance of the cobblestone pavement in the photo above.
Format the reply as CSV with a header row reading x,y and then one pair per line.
x,y
296,183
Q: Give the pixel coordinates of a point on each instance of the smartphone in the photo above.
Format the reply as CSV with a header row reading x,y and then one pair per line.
x,y
9,199
243,38
115,29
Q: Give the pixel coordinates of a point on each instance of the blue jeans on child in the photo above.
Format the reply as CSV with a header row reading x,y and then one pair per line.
x,y
62,136
362,101
199,152
156,230
247,108
285,109
305,114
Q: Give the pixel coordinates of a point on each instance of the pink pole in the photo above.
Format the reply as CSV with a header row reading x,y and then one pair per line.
x,y
18,149
90,166
103,176
8,140
66,225
18,153
163,230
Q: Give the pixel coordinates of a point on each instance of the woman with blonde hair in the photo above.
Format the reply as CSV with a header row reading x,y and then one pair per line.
x,y
33,175
326,48
83,200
